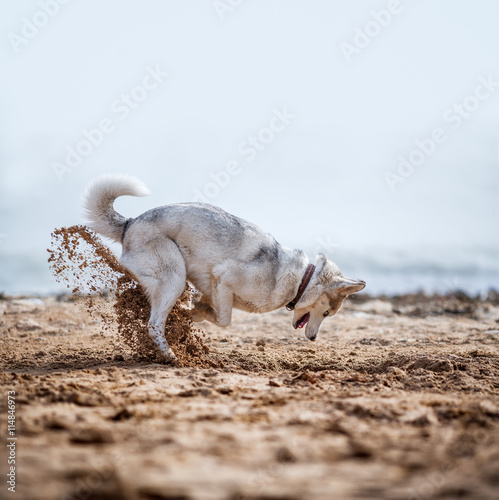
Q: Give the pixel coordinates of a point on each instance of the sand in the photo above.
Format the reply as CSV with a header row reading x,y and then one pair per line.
x,y
80,260
398,398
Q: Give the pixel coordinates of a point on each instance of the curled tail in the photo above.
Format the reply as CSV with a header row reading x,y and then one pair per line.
x,y
98,203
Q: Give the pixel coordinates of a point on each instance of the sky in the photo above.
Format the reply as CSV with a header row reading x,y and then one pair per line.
x,y
367,130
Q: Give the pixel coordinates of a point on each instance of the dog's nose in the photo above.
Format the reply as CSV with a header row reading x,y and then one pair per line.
x,y
313,338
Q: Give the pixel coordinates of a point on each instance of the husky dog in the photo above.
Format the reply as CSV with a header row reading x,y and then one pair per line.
x,y
231,262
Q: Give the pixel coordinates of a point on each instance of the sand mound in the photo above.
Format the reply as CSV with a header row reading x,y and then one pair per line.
x,y
80,260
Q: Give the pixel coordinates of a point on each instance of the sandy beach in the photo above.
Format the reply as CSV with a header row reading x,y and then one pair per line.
x,y
398,398
267,153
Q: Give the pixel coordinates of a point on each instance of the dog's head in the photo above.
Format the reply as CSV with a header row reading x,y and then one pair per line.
x,y
323,296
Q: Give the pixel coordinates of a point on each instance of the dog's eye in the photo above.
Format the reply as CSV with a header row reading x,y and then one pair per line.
x,y
326,314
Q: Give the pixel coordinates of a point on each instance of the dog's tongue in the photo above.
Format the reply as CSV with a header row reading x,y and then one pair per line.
x,y
303,320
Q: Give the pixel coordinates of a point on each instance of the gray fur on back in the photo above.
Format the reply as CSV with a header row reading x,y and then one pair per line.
x,y
185,223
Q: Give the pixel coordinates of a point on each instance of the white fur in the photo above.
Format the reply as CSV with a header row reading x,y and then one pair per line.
x,y
98,202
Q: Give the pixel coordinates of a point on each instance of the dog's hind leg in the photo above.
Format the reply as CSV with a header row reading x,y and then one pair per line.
x,y
160,269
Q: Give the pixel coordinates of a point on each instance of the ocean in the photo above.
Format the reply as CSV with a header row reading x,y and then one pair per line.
x,y
389,272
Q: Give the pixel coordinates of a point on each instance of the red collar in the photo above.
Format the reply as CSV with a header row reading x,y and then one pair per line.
x,y
303,285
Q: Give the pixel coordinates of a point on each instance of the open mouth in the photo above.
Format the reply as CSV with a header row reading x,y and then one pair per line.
x,y
302,321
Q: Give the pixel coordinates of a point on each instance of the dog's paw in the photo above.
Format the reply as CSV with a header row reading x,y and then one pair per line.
x,y
196,316
170,357
165,356
199,311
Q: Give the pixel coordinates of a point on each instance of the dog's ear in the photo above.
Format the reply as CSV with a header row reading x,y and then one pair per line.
x,y
347,286
320,262
326,270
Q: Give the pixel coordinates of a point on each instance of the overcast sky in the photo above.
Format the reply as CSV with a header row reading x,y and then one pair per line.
x,y
300,116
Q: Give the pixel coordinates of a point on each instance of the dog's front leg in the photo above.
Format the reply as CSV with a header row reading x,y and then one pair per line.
x,y
203,311
222,299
